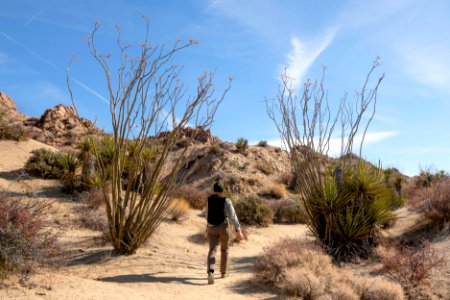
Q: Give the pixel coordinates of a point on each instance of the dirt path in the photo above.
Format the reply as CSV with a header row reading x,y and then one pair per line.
x,y
172,265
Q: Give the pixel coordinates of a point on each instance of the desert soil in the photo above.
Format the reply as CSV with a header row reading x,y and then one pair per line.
x,y
172,265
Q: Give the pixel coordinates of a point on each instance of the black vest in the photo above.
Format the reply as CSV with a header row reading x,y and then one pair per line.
x,y
216,210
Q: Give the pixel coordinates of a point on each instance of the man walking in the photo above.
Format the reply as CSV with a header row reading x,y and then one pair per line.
x,y
219,211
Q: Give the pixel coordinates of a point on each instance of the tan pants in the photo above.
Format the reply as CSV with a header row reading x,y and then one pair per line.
x,y
215,235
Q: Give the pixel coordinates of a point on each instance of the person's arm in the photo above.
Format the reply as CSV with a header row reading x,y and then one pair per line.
x,y
231,214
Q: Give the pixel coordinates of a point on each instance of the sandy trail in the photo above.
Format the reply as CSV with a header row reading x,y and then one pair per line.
x,y
172,265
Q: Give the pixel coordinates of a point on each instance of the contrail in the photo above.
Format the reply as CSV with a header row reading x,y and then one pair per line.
x,y
27,49
53,66
34,17
90,90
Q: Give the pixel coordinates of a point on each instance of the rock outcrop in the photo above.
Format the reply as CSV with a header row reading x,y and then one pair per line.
x,y
7,102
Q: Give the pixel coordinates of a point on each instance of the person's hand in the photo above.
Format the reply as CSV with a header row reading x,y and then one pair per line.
x,y
240,235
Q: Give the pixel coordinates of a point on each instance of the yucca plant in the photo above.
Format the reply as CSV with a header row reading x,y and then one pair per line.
x,y
346,206
70,163
347,217
86,155
241,144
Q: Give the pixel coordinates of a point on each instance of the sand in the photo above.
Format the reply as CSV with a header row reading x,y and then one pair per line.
x,y
172,264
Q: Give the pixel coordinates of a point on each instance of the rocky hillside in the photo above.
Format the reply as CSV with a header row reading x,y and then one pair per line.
x,y
58,126
244,171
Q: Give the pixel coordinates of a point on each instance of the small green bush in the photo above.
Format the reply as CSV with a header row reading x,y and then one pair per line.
x,y
291,213
253,211
216,149
45,164
15,133
263,143
242,144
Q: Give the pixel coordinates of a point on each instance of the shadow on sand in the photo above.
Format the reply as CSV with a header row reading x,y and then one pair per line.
x,y
153,277
89,258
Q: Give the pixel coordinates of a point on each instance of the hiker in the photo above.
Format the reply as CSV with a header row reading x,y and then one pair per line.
x,y
219,211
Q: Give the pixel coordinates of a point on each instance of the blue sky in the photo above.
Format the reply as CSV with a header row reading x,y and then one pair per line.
x,y
252,41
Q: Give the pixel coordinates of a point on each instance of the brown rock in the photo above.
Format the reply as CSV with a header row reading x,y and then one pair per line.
x,y
7,102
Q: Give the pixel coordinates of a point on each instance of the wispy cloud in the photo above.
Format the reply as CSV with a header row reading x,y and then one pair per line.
x,y
335,143
370,139
303,54
428,64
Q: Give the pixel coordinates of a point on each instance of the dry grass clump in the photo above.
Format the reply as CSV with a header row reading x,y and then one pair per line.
x,y
432,201
193,196
376,289
24,235
178,209
93,198
410,266
286,178
264,168
273,190
301,270
92,219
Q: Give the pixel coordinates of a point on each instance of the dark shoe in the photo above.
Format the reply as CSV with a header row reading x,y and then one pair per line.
x,y
210,278
223,275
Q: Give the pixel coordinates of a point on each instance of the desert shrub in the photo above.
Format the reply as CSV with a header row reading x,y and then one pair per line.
x,y
178,209
377,289
195,198
15,133
346,214
291,213
436,207
300,269
106,151
394,182
265,168
92,219
263,143
241,144
433,202
410,266
69,178
286,178
273,190
216,149
44,163
253,211
93,198
24,237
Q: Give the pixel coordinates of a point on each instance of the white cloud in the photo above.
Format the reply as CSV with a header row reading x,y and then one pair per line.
x,y
428,64
335,143
303,54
